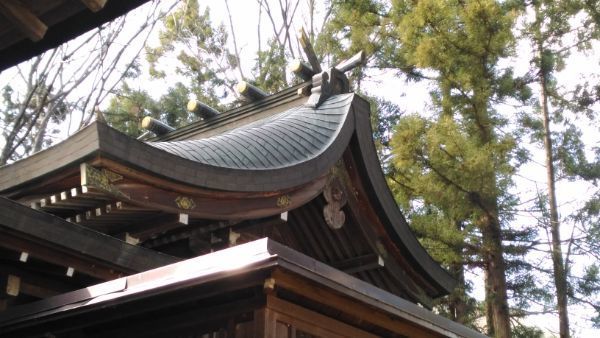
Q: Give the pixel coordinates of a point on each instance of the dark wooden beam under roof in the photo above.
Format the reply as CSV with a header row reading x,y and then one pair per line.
x,y
65,20
24,19
57,241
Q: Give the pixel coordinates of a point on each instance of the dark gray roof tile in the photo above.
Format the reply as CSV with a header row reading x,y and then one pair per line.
x,y
282,140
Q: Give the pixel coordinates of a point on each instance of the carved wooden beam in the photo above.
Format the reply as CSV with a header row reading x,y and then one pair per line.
x,y
24,19
199,202
94,5
309,51
202,110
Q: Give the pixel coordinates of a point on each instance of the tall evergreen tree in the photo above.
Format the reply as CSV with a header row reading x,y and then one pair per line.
x,y
458,161
555,29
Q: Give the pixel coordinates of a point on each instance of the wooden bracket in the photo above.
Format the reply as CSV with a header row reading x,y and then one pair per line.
x,y
94,5
24,19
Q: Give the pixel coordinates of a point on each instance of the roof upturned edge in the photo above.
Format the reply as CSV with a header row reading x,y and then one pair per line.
x,y
248,159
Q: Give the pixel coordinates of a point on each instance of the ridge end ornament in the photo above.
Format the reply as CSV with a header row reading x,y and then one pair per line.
x,y
336,199
321,90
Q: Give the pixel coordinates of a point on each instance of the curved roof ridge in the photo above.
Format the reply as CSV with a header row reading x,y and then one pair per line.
x,y
262,145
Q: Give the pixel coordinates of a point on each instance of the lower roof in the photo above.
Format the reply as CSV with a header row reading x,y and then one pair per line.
x,y
235,262
50,237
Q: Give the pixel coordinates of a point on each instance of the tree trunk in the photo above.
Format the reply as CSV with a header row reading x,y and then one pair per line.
x,y
560,278
489,225
458,298
489,312
495,270
458,305
39,137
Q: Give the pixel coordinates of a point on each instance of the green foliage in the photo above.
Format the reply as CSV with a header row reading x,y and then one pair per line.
x,y
446,166
24,120
355,25
129,106
523,331
201,52
270,68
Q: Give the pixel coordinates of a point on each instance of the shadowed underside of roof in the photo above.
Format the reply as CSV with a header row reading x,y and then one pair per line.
x,y
62,20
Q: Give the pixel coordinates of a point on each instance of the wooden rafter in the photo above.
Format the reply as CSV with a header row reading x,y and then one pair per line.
x,y
24,19
56,241
94,5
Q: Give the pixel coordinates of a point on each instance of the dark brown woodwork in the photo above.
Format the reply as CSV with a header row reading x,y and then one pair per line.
x,y
415,286
24,19
250,91
58,242
35,284
285,320
205,295
65,20
336,199
98,270
201,109
302,70
360,263
197,202
94,5
312,291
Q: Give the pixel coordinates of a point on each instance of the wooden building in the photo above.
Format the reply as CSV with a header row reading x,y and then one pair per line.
x,y
273,219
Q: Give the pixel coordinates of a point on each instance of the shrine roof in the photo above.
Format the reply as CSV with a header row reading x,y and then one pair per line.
x,y
285,139
277,152
284,151
132,292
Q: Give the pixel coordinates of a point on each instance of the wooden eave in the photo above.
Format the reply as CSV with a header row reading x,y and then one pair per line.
x,y
54,240
155,177
29,28
260,263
